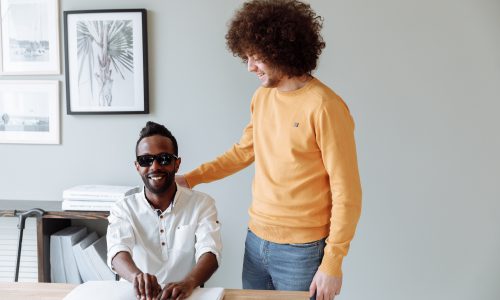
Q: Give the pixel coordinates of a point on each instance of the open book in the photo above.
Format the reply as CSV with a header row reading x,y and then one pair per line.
x,y
123,290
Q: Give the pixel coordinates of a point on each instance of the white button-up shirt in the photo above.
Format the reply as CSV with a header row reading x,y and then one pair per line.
x,y
165,244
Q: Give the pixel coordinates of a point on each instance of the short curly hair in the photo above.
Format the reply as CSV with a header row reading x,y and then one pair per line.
x,y
153,128
283,33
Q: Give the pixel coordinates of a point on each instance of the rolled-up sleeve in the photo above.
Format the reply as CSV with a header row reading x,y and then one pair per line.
x,y
120,234
208,237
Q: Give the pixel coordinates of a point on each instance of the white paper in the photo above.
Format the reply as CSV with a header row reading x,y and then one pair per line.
x,y
124,290
103,290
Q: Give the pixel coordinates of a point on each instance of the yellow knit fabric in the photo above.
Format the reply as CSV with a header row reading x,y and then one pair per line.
x,y
306,185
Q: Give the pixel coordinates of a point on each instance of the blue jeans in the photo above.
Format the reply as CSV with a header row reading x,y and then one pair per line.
x,y
271,266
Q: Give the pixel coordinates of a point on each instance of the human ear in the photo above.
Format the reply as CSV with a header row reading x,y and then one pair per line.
x,y
177,164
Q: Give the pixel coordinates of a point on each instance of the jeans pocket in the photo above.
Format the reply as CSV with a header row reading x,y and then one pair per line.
x,y
314,249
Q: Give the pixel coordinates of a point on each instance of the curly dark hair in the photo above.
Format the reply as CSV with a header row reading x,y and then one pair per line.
x,y
283,33
153,128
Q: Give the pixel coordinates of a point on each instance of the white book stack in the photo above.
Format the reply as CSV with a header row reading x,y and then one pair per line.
x,y
90,254
87,271
95,197
63,265
76,257
96,254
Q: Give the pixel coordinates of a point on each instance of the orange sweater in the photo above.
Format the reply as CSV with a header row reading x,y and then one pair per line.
x,y
306,185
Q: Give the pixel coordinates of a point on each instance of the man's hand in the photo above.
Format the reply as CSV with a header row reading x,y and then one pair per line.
x,y
325,286
204,268
177,290
146,286
181,180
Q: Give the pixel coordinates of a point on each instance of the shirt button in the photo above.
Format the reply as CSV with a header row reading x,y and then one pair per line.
x,y
161,230
161,217
163,243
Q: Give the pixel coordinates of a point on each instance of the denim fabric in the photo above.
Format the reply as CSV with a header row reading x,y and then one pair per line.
x,y
271,266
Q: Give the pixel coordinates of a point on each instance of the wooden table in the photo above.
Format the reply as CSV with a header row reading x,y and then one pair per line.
x,y
57,291
231,294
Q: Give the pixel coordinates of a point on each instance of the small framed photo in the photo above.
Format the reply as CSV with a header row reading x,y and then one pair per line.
x,y
106,61
29,37
29,111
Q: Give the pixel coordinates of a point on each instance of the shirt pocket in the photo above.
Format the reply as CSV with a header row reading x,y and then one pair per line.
x,y
184,238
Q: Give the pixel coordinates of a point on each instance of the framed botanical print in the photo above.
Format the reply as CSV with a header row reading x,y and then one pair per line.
x,y
106,61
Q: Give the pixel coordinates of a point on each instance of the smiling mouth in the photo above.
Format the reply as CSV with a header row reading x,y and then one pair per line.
x,y
156,177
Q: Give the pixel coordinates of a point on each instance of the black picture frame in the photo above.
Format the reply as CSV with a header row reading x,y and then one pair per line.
x,y
106,61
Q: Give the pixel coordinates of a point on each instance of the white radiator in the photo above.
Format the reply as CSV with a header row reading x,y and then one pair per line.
x,y
9,235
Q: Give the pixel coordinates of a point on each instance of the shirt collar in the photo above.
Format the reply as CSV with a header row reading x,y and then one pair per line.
x,y
170,207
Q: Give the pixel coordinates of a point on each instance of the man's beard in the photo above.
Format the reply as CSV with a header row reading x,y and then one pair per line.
x,y
159,189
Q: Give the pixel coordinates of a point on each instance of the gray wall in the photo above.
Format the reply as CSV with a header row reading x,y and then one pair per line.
x,y
422,79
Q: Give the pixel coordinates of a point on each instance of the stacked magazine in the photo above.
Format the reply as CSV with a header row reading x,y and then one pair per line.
x,y
95,197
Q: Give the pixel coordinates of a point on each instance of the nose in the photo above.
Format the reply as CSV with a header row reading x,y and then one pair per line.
x,y
156,165
251,65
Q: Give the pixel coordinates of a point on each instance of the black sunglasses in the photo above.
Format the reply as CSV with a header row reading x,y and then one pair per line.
x,y
164,159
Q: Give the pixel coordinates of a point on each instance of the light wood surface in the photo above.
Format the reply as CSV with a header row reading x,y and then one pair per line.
x,y
34,291
57,291
231,294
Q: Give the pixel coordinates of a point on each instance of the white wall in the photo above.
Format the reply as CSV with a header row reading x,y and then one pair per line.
x,y
422,79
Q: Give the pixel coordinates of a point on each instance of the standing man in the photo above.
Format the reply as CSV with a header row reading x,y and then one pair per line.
x,y
306,189
164,234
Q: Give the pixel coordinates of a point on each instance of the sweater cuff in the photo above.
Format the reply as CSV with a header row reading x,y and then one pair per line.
x,y
193,178
331,265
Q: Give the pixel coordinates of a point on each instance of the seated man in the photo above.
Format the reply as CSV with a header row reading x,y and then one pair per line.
x,y
155,236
